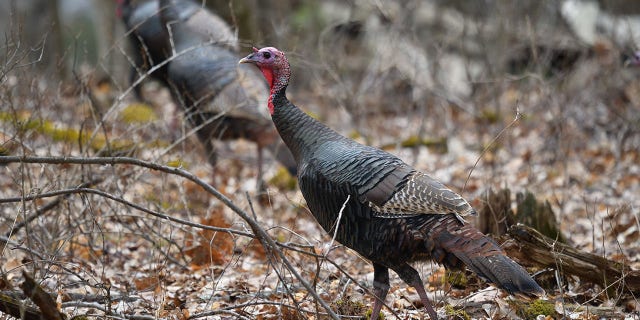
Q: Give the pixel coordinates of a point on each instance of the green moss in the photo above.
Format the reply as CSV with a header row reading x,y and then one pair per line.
x,y
349,307
435,144
31,124
354,134
280,237
5,117
283,180
457,279
412,141
367,315
61,134
453,313
73,136
438,145
138,113
533,309
490,116
177,163
313,114
539,307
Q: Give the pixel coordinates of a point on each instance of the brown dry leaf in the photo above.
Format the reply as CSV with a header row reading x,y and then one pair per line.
x,y
82,249
11,263
269,308
210,247
628,181
257,249
147,283
217,252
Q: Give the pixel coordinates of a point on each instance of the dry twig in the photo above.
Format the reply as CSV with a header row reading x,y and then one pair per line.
x,y
267,242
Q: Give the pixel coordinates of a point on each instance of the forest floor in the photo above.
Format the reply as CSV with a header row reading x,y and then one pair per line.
x,y
103,255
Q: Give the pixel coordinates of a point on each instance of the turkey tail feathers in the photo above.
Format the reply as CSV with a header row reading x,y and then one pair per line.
x,y
503,271
452,242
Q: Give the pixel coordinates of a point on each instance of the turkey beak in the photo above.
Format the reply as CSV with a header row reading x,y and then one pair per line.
x,y
247,59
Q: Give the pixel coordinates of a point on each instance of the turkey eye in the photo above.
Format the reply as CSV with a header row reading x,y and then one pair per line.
x,y
266,55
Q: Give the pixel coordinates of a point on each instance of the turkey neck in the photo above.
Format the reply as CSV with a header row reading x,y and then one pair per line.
x,y
300,132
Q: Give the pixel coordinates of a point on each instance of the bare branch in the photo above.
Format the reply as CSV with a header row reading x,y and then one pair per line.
x,y
267,242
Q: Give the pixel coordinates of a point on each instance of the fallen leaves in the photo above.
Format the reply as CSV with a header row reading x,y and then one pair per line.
x,y
149,266
210,247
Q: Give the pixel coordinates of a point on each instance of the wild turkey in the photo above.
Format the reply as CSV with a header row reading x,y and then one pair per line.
x,y
200,22
149,37
393,214
219,98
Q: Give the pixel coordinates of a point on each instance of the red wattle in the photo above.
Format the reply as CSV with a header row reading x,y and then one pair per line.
x,y
268,75
270,105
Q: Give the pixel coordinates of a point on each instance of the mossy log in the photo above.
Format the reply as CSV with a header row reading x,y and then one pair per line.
x,y
496,215
538,215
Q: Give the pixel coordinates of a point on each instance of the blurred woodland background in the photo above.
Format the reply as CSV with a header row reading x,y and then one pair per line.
x,y
530,109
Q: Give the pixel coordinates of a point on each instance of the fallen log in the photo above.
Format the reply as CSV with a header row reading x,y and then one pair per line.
x,y
531,248
17,309
44,301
